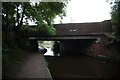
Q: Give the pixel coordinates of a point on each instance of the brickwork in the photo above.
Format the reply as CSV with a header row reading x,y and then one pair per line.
x,y
96,48
83,28
102,48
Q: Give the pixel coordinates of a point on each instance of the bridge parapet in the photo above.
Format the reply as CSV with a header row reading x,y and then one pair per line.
x,y
83,28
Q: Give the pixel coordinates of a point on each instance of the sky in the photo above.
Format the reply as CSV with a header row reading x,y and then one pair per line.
x,y
79,11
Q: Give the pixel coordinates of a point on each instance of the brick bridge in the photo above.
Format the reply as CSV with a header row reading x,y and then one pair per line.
x,y
76,38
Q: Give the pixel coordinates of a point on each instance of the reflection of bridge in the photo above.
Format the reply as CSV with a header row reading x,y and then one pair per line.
x,y
77,36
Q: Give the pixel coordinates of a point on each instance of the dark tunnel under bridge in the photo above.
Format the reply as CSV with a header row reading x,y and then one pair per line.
x,y
76,45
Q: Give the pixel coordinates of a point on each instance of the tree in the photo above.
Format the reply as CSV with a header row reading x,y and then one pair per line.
x,y
17,14
115,18
114,14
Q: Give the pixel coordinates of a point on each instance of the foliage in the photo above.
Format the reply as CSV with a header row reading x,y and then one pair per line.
x,y
17,15
56,48
115,14
112,38
9,55
44,29
42,13
49,30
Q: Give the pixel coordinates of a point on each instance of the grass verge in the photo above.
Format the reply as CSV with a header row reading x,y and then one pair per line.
x,y
12,59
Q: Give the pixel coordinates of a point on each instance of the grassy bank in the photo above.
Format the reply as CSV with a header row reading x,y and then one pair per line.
x,y
12,59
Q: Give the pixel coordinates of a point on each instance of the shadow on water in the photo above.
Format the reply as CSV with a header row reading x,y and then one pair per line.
x,y
81,67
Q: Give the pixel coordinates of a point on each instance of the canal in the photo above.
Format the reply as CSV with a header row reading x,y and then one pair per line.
x,y
81,67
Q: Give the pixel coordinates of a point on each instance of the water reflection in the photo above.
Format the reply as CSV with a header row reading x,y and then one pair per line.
x,y
49,52
81,67
47,45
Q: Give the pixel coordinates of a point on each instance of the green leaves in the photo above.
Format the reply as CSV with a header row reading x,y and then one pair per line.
x,y
47,30
115,16
42,13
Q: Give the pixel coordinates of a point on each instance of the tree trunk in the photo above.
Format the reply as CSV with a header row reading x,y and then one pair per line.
x,y
21,21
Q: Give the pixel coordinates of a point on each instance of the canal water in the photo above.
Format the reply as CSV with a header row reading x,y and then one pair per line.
x,y
81,67
47,45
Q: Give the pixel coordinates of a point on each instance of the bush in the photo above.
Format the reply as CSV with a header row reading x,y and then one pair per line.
x,y
56,48
11,56
47,30
41,28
